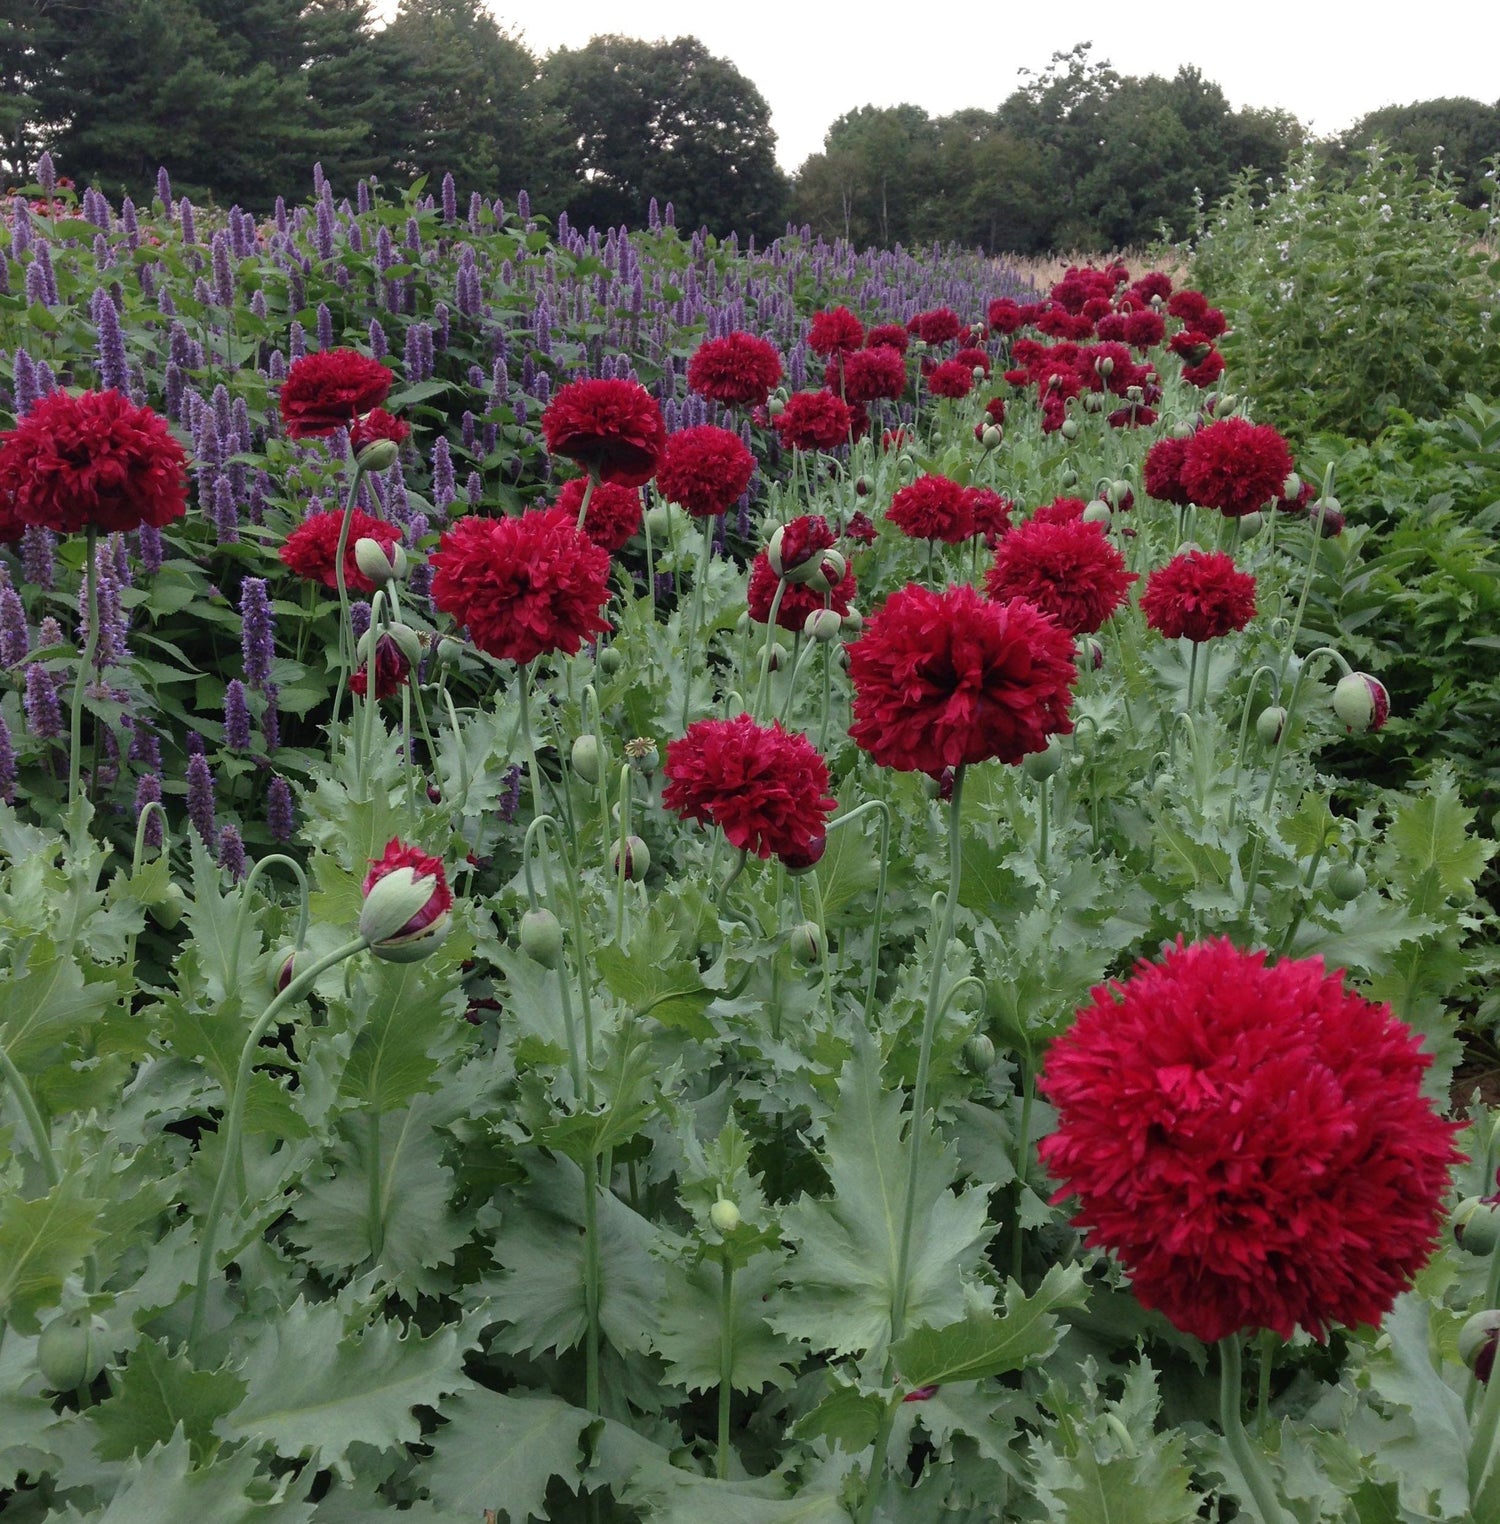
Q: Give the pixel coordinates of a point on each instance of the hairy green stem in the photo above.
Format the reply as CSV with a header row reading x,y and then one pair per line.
x,y
85,661
41,1134
1251,1467
726,1364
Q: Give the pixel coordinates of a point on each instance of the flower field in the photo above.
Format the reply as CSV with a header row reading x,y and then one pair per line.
x,y
643,880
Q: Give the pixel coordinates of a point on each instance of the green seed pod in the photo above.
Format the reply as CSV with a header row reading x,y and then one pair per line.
x,y
1069,430
587,758
1346,881
542,937
450,652
641,753
69,1353
992,436
725,1216
610,661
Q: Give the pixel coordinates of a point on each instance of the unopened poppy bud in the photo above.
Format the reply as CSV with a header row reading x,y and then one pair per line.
x,y
642,755
167,910
1093,402
1104,365
775,407
828,572
70,1352
1329,518
1092,652
1039,765
1476,1224
1477,1340
906,467
1361,702
1068,479
635,862
287,972
1291,488
371,558
1226,405
724,1215
1069,428
823,624
587,758
1097,511
610,661
1346,881
992,436
406,640
1270,723
378,455
1120,491
807,943
1132,394
1251,523
542,937
1190,548
979,1054
407,910
449,652
863,486
853,622
658,521
806,860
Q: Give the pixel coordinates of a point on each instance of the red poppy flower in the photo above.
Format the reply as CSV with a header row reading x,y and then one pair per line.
x,y
797,601
1252,1142
936,326
1144,329
1005,315
1235,466
867,375
951,379
614,511
311,549
329,389
429,921
766,788
612,428
947,678
1163,471
1069,570
933,508
1189,305
522,586
377,424
90,459
994,410
861,529
975,359
991,511
834,329
391,669
814,421
704,470
888,336
1061,510
1201,595
739,369
1206,372
1152,284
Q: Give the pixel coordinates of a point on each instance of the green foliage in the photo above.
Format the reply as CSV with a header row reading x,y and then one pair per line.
x,y
1350,295
1458,136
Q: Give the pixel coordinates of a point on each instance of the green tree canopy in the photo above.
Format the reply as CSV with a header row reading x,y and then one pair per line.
x,y
1460,134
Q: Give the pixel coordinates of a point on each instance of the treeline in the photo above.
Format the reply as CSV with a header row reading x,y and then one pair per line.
x,y
240,97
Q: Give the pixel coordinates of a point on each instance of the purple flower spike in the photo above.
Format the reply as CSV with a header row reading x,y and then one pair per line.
x,y
148,791
257,631
281,814
7,765
236,716
43,713
14,641
232,852
200,799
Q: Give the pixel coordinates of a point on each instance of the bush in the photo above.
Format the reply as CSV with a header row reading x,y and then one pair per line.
x,y
1351,293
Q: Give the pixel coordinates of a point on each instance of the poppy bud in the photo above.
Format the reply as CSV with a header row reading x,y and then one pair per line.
x,y
775,407
1181,431
167,910
449,651
1476,1343
1092,652
659,520
610,661
1096,511
807,943
992,437
1346,881
1270,723
1251,523
587,759
1068,479
863,486
823,624
287,971
407,910
1291,488
724,1215
1476,1224
378,455
1104,365
406,640
636,860
1040,765
542,937
378,564
1329,518
806,860
828,572
979,1054
1361,702
69,1353
853,622
1069,428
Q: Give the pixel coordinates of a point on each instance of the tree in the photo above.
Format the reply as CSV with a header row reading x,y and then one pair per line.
x,y
1458,133
664,120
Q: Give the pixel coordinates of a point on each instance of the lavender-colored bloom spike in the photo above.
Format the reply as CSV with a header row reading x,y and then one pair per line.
x,y
46,175
113,369
200,799
14,640
43,713
270,721
185,216
38,564
379,344
450,199
7,764
510,800
325,326
236,716
232,852
359,618
148,791
27,392
223,270
226,512
281,814
150,542
257,631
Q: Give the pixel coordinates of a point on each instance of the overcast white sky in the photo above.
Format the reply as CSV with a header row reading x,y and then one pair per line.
x,y
1326,61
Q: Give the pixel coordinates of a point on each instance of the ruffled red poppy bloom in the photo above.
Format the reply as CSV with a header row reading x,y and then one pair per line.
x,y
991,511
329,389
1144,329
814,421
1061,510
311,549
1189,305
397,856
834,329
766,788
1251,1141
888,336
522,586
737,370
1068,570
975,359
1152,284
867,375
951,379
797,601
1206,373
942,679
391,669
1202,595
704,470
613,429
1006,315
933,508
90,459
1235,466
1163,471
994,410
614,511
861,529
377,424
936,326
